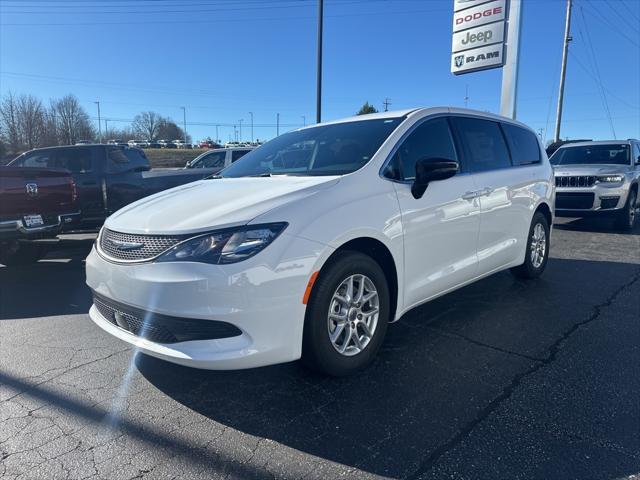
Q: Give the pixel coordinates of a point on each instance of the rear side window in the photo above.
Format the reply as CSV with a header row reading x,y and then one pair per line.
x,y
76,160
523,145
37,159
238,154
484,144
432,139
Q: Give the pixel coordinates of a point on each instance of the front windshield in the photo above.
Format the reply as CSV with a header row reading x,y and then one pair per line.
x,y
616,154
335,149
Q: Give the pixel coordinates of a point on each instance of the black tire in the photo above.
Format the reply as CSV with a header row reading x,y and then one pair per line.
x,y
318,351
627,217
528,269
17,253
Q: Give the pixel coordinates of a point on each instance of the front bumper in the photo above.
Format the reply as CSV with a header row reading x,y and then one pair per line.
x,y
261,296
599,199
15,229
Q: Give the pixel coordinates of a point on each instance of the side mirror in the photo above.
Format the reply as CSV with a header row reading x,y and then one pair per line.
x,y
430,170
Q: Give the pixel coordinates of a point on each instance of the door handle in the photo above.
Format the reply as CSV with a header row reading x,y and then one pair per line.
x,y
471,195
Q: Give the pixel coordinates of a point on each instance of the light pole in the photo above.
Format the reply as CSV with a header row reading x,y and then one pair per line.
x,y
251,113
99,123
319,59
277,124
184,123
217,138
304,121
240,122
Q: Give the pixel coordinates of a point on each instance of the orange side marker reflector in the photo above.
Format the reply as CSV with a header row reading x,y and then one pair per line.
x,y
307,292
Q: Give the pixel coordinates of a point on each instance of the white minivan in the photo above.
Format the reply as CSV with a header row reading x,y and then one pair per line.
x,y
309,246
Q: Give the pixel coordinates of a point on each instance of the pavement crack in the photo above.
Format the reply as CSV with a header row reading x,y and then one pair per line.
x,y
516,381
486,345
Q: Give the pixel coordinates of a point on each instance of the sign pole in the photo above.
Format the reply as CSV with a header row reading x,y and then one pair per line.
x,y
510,70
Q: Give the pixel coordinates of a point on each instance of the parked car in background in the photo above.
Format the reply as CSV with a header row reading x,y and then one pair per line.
x,y
154,144
84,142
117,142
598,178
311,244
108,177
552,147
209,144
35,203
179,143
166,144
217,159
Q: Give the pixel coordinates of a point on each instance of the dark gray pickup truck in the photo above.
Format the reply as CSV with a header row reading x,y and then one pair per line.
x,y
107,177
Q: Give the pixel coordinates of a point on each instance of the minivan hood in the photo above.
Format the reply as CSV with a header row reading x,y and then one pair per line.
x,y
216,203
579,169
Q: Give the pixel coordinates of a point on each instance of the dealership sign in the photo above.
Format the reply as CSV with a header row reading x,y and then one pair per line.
x,y
478,35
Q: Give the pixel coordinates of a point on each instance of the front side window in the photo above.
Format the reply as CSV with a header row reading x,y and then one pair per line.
x,y
616,154
76,160
484,144
211,160
523,144
336,149
432,139
238,154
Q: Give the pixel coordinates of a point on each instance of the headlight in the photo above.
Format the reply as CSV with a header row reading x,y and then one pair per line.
x,y
611,178
224,246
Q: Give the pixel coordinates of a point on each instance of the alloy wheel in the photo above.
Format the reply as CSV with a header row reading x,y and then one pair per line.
x,y
353,315
538,246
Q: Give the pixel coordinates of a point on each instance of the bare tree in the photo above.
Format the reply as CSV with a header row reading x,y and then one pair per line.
x,y
31,121
72,120
169,130
10,124
147,124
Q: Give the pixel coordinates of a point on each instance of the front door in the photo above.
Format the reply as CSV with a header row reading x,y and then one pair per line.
x,y
440,228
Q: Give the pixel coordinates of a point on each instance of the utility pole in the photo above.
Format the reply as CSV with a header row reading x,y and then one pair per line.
x,y
217,139
99,124
184,123
386,104
319,72
563,71
277,124
304,120
235,133
240,122
106,126
251,113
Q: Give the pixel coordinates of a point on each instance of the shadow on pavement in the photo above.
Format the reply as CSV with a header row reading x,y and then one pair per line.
x,y
437,376
595,225
54,286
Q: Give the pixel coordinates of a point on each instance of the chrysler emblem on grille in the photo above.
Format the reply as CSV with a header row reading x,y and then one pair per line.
x,y
31,189
125,246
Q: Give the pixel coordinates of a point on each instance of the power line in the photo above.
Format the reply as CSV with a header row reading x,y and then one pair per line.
x,y
597,71
596,13
220,20
633,14
622,17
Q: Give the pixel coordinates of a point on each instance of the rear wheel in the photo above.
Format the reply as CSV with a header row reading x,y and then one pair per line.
x,y
20,253
537,254
627,217
347,315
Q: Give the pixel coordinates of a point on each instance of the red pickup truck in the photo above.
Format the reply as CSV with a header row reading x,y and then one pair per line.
x,y
35,203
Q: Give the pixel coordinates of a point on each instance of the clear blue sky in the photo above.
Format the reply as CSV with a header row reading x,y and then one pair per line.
x,y
224,58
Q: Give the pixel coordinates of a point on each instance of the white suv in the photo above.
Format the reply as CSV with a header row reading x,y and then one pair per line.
x,y
311,244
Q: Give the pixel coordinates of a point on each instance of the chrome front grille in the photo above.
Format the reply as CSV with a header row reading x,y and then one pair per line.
x,y
129,247
576,181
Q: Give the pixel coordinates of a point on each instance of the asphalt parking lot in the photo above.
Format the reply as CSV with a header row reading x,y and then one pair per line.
x,y
502,379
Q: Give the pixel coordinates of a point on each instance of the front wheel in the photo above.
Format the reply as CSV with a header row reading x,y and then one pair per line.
x,y
627,217
537,254
347,315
